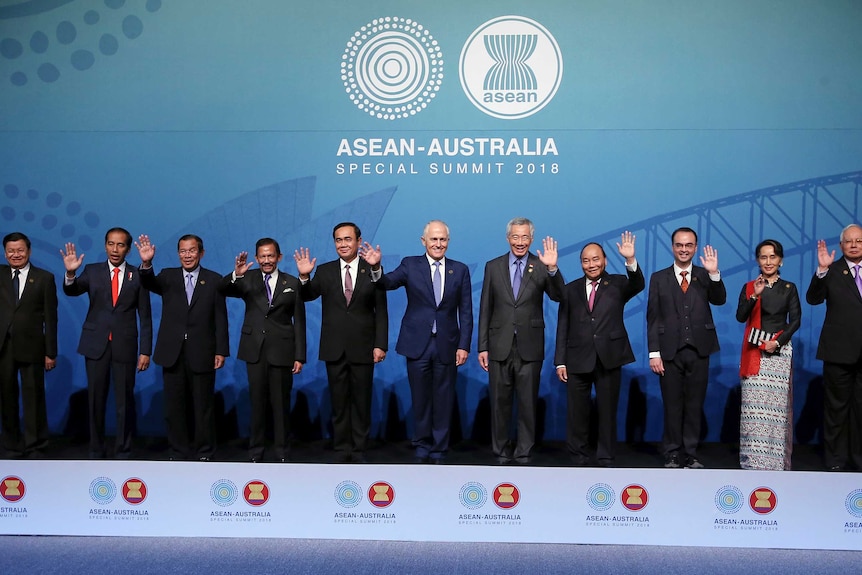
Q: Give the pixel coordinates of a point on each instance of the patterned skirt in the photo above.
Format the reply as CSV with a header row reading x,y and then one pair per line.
x,y
766,422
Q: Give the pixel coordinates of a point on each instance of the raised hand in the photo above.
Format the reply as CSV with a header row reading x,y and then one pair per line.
x,y
824,258
709,260
70,258
304,262
242,264
146,250
759,285
549,255
370,254
626,246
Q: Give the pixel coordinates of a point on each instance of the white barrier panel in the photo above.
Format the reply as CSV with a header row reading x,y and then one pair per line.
x,y
720,508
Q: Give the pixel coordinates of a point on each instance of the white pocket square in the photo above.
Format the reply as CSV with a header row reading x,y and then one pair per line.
x,y
288,290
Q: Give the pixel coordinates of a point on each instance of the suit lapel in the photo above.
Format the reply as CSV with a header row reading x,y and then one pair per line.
x,y
850,281
6,283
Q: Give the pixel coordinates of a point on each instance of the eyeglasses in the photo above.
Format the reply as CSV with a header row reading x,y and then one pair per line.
x,y
191,252
16,252
857,241
686,246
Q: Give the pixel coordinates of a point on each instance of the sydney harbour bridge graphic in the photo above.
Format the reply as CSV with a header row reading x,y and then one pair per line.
x,y
797,214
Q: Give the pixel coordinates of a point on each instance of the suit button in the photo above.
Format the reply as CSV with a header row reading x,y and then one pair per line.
x,y
263,331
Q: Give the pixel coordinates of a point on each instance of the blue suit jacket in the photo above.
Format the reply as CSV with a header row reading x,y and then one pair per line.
x,y
454,315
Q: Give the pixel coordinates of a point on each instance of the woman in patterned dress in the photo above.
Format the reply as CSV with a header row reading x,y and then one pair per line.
x,y
770,308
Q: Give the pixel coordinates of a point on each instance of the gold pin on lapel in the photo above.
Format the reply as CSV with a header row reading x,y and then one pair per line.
x,y
846,272
203,282
451,272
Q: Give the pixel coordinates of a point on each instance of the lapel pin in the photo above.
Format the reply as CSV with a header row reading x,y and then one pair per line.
x,y
451,272
202,282
846,272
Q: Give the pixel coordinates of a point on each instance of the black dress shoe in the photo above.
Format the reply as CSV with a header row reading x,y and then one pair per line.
x,y
693,463
606,463
418,459
439,460
253,460
580,461
671,461
284,460
204,458
834,468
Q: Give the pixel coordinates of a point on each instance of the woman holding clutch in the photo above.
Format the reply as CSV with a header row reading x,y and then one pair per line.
x,y
770,308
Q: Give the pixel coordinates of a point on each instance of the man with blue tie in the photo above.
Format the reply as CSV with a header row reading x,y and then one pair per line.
x,y
435,333
191,345
512,336
109,338
28,323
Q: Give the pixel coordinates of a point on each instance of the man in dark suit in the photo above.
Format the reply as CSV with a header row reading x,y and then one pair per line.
x,y
593,345
839,284
354,335
681,336
272,343
109,338
512,335
28,320
435,333
191,345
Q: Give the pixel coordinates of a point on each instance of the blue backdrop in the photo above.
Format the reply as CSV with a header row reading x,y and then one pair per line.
x,y
236,120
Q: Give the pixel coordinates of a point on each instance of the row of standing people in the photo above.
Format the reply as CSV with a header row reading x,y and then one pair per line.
x,y
591,345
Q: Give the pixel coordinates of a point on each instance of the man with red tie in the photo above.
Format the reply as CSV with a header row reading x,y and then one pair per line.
x,y
110,341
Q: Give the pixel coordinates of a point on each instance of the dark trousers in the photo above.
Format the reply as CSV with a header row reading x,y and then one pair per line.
x,y
100,373
683,391
272,384
185,392
33,398
580,386
350,386
842,414
507,380
432,389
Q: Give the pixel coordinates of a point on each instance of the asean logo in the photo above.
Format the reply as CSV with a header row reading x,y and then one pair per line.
x,y
506,495
392,68
853,503
600,497
255,493
134,491
224,492
12,489
381,494
728,499
634,497
103,490
348,494
763,500
511,67
473,495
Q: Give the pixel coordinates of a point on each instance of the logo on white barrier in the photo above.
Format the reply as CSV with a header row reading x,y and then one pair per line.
x,y
348,494
511,67
12,489
381,494
134,491
256,493
473,495
634,497
600,497
224,492
853,503
506,495
103,490
392,68
763,500
729,499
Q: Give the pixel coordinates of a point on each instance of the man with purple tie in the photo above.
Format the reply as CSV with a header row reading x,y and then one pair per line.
x,y
839,284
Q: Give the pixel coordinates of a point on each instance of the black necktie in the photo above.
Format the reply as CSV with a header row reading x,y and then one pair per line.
x,y
16,286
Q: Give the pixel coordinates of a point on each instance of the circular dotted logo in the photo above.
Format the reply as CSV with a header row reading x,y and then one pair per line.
x,y
255,493
729,499
634,497
473,495
348,494
392,68
103,490
224,492
853,503
381,494
763,500
511,67
600,497
12,488
134,491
